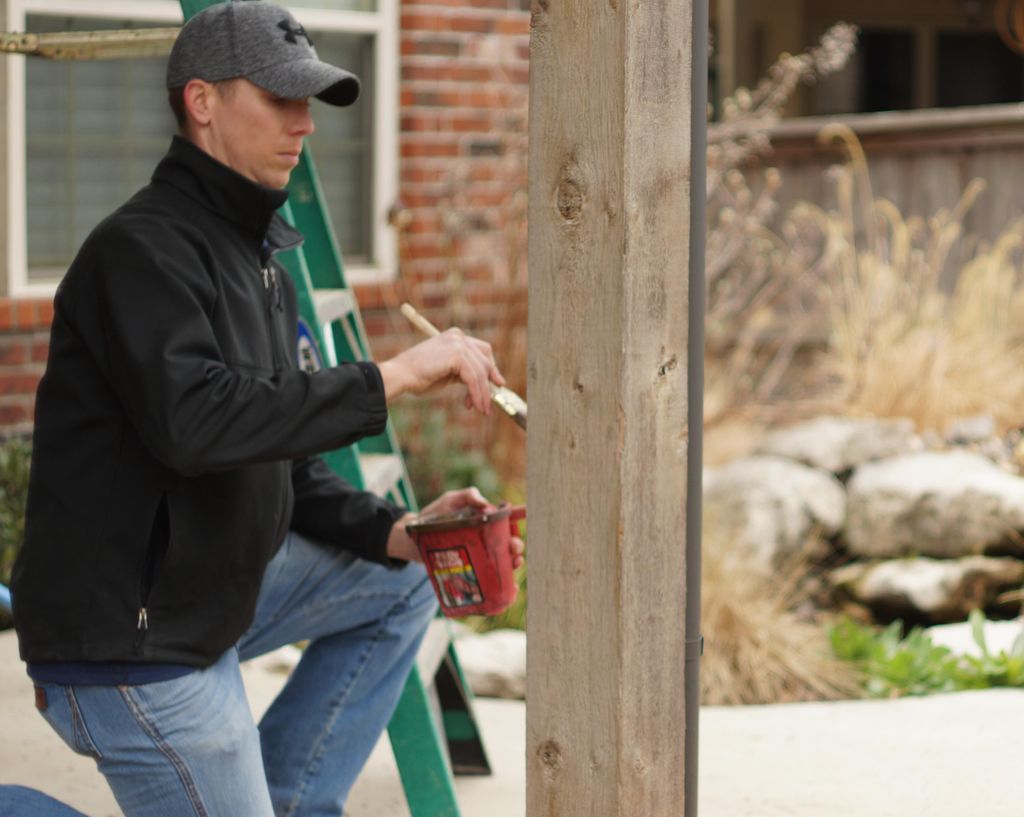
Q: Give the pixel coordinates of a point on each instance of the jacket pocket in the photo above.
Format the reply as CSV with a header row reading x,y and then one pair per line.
x,y
156,552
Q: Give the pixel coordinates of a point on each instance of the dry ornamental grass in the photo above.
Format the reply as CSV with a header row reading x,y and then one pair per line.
x,y
903,342
757,650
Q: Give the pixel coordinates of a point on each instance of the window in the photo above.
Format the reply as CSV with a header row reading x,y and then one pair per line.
x,y
93,132
976,68
886,63
897,69
339,5
342,145
87,134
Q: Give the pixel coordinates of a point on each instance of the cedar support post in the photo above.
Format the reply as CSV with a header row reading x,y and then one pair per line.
x,y
609,368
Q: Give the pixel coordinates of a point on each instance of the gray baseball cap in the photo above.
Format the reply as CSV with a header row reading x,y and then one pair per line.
x,y
262,42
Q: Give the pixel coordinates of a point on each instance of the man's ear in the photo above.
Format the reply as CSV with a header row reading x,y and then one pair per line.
x,y
200,99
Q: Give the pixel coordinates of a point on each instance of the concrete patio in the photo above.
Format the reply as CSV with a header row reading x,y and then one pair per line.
x,y
943,756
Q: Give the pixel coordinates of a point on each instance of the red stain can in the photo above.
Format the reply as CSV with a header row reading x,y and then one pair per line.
x,y
468,559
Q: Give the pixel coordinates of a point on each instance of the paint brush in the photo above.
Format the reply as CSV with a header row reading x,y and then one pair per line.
x,y
504,398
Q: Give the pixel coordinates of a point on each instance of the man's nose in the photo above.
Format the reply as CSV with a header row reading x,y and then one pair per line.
x,y
303,123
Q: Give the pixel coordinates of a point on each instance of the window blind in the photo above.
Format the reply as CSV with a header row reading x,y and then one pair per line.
x,y
96,129
342,145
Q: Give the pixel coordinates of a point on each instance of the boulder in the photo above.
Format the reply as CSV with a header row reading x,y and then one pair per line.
x,y
970,430
494,663
838,444
768,507
958,638
944,504
936,590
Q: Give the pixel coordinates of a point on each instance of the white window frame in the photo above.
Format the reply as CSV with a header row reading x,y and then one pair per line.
x,y
383,24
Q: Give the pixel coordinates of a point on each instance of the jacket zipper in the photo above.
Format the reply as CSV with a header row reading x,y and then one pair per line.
x,y
142,627
145,588
272,298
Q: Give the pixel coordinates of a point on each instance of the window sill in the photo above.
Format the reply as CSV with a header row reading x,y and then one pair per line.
x,y
363,274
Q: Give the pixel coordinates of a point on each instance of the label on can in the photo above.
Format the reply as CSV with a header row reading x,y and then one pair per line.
x,y
456,580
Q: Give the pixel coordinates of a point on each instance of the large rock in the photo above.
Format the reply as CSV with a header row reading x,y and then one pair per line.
x,y
928,589
943,504
494,663
838,444
958,638
971,430
768,507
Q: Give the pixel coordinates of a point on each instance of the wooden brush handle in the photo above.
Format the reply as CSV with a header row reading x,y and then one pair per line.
x,y
417,320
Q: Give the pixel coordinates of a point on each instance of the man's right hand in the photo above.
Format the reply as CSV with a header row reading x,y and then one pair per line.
x,y
451,357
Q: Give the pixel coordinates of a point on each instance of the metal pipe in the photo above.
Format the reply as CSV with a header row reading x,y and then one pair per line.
x,y
695,404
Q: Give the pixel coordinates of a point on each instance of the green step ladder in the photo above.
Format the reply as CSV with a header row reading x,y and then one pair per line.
x,y
433,732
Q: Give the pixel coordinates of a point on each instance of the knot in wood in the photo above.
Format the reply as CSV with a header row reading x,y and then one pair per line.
x,y
538,16
550,755
570,200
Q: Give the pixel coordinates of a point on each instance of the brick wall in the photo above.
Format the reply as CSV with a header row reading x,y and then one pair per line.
x,y
24,340
462,222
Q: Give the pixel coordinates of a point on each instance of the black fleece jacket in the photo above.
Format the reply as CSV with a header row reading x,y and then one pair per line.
x,y
175,434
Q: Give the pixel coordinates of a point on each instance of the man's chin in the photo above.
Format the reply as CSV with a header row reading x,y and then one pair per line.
x,y
277,181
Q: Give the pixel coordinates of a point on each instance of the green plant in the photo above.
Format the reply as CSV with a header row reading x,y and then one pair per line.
x,y
437,456
14,465
14,462
892,664
987,670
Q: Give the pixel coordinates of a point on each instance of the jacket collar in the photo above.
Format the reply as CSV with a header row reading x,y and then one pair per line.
x,y
227,193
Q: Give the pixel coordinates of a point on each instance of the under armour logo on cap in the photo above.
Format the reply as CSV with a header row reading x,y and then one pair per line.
x,y
292,34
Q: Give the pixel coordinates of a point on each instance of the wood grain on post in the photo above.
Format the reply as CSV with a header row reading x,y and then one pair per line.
x,y
609,251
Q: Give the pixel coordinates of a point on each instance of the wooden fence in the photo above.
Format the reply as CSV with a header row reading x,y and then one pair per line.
x,y
920,160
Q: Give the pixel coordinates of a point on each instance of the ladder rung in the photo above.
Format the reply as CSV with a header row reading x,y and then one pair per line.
x,y
333,304
433,649
381,472
91,45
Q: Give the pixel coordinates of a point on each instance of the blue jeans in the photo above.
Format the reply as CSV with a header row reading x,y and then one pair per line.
x,y
18,801
189,746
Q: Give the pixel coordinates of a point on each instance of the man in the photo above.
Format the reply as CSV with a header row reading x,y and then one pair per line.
x,y
178,519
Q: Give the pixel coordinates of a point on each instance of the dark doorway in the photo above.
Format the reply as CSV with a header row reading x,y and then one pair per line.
x,y
976,68
887,70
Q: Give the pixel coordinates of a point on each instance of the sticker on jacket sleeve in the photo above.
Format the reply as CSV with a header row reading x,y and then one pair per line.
x,y
309,355
456,579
